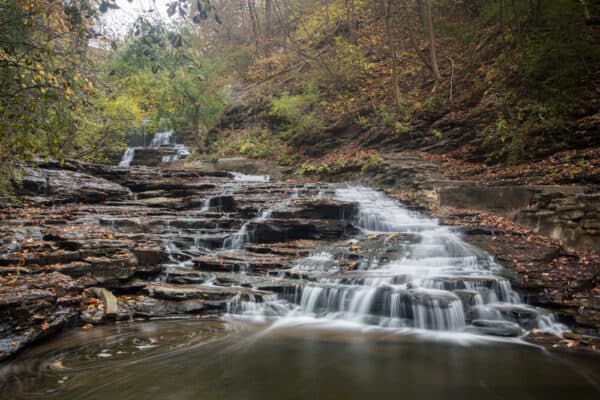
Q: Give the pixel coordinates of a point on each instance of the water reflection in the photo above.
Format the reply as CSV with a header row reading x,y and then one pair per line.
x,y
216,359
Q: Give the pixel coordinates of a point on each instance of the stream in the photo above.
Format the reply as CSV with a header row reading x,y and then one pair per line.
x,y
376,300
224,359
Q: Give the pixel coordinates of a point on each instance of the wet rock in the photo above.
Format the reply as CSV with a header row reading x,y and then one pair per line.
x,y
207,293
247,166
148,307
34,181
224,203
152,156
297,248
149,256
496,328
236,261
468,297
280,230
111,270
184,275
164,202
74,269
33,307
125,225
525,316
318,209
14,343
110,301
64,186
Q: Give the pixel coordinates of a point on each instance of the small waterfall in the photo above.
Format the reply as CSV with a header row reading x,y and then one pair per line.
x,y
205,205
182,152
238,239
436,281
127,157
161,139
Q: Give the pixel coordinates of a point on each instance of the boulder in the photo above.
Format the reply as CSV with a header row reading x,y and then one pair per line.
x,y
111,307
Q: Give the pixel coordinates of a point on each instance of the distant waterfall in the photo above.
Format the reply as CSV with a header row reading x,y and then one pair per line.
x,y
127,157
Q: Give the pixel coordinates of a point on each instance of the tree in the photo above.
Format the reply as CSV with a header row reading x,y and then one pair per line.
x,y
44,76
386,7
431,35
165,74
268,26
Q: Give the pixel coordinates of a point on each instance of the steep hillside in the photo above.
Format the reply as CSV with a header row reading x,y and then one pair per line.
x,y
515,84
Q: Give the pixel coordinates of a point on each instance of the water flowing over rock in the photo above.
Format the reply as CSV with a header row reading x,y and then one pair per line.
x,y
191,241
162,149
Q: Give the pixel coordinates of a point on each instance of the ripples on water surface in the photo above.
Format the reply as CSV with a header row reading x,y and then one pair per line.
x,y
233,359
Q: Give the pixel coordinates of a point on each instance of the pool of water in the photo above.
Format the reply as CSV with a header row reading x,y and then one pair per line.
x,y
232,358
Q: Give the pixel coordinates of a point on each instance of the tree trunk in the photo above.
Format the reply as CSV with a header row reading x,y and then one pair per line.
x,y
517,22
352,24
386,6
255,25
432,52
413,37
268,26
202,142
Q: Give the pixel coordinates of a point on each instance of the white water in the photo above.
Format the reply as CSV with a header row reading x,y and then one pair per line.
x,y
239,177
159,140
435,282
127,157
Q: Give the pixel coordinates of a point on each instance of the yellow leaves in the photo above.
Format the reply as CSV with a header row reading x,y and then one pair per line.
x,y
4,55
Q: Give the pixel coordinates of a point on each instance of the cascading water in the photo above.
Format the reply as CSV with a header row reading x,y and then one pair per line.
x,y
239,177
127,157
437,281
161,139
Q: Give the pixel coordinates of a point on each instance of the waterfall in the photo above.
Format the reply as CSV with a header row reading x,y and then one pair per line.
x,y
127,157
436,282
161,139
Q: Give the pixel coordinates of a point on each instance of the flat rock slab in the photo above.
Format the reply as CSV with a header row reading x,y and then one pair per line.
x,y
65,186
318,209
281,230
204,292
231,261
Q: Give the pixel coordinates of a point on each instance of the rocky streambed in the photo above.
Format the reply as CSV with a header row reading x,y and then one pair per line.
x,y
92,244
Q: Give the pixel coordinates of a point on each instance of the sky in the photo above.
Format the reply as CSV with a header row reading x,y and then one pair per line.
x,y
116,23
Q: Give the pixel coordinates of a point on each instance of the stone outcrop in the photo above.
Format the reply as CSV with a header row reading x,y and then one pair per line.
x,y
65,186
567,213
95,255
